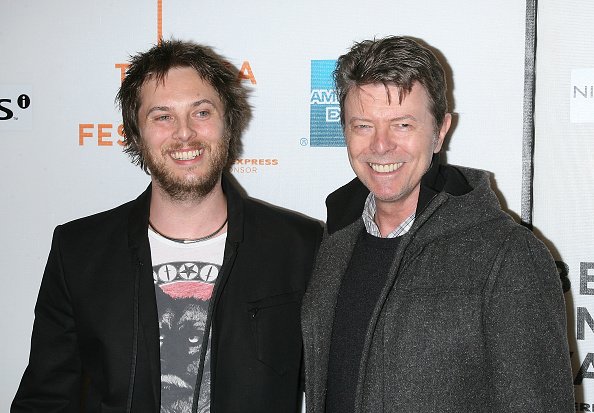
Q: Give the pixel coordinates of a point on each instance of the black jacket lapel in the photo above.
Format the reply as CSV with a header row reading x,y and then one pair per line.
x,y
147,306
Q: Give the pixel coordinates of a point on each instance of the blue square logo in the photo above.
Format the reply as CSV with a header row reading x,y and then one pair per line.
x,y
324,112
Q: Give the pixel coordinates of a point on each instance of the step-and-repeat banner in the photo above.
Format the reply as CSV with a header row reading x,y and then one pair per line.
x,y
564,168
60,132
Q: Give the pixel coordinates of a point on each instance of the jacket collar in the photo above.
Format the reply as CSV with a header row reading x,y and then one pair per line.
x,y
345,205
138,219
235,207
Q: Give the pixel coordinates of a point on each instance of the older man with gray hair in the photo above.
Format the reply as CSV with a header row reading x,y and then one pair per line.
x,y
426,296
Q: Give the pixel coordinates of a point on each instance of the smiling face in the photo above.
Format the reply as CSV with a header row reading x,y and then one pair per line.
x,y
182,130
390,144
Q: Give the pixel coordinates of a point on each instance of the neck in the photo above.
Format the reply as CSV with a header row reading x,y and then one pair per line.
x,y
389,215
188,219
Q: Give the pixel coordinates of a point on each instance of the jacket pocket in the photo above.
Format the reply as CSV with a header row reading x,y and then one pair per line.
x,y
276,330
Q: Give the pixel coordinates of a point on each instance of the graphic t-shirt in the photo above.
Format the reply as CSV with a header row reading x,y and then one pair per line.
x,y
184,276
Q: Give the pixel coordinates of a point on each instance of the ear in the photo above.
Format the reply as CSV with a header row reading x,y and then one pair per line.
x,y
443,131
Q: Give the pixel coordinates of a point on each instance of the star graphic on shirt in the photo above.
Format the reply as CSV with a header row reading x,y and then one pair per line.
x,y
188,271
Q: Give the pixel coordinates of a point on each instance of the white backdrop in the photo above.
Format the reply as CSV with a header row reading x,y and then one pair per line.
x,y
66,57
564,167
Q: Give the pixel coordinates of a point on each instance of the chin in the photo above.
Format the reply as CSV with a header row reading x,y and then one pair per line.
x,y
397,195
388,195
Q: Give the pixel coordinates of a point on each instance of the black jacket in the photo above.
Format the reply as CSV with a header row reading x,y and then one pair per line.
x,y
95,342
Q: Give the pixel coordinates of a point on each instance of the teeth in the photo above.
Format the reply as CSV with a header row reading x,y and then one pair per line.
x,y
186,155
384,168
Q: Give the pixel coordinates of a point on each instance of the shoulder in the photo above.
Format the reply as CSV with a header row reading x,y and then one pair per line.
x,y
525,246
514,238
100,220
92,239
525,263
102,227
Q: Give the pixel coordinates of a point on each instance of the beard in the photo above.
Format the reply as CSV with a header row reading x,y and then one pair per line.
x,y
188,187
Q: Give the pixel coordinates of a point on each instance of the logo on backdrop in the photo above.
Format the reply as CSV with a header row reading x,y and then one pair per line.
x,y
253,165
16,110
581,99
324,109
583,318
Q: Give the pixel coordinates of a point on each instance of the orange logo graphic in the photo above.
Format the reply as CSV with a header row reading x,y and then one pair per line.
x,y
108,134
101,133
245,73
252,165
159,21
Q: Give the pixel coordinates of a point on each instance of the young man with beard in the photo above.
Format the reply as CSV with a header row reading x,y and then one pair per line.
x,y
187,298
429,295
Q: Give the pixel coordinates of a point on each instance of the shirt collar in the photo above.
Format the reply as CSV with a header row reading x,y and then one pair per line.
x,y
369,213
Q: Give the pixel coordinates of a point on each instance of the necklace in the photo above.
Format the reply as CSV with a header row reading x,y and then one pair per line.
x,y
186,240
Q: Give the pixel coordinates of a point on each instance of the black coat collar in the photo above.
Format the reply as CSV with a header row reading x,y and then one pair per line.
x,y
345,205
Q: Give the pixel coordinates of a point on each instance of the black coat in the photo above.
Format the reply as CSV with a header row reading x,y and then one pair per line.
x,y
95,342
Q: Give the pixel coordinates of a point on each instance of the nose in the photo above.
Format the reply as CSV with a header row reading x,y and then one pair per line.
x,y
185,130
382,140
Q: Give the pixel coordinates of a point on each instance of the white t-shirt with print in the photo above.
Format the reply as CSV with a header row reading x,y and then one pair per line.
x,y
184,276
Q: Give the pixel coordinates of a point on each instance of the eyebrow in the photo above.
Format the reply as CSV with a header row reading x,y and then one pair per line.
x,y
396,119
168,108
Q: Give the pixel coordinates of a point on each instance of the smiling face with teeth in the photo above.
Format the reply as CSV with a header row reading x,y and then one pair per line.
x,y
181,122
391,143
